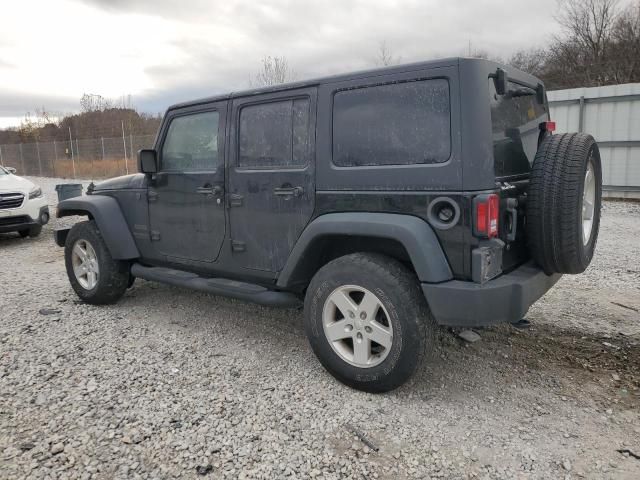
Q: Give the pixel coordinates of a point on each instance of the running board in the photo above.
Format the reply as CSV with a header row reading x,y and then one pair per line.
x,y
217,286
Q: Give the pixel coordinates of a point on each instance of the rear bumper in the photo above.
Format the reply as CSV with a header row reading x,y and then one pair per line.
x,y
20,221
503,299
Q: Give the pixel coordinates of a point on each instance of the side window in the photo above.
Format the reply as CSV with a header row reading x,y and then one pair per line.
x,y
191,143
274,134
396,124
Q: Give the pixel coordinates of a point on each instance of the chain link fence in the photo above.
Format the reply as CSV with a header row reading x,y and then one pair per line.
x,y
77,158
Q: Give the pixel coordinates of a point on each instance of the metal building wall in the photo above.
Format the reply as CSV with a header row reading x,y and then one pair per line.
x,y
612,115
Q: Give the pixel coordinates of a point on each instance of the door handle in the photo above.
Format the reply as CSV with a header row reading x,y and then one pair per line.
x,y
217,190
288,191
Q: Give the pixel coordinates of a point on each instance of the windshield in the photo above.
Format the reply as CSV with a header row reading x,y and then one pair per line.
x,y
515,122
3,171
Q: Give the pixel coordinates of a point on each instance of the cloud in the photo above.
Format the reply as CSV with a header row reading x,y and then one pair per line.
x,y
163,51
14,103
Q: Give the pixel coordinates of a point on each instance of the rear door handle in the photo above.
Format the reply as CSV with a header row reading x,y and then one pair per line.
x,y
288,191
217,190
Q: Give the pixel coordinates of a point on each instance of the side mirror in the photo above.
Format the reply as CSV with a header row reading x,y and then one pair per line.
x,y
501,81
10,169
147,161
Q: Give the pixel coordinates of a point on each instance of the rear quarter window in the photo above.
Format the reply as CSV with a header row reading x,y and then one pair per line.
x,y
515,125
394,124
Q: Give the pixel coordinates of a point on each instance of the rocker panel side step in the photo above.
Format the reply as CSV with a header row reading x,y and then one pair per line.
x,y
217,286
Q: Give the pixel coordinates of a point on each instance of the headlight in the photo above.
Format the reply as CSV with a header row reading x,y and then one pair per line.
x,y
35,193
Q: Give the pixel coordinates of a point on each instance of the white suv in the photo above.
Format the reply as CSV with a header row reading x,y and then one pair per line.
x,y
23,207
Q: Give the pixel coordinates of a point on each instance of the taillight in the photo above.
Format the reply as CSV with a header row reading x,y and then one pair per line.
x,y
548,126
486,213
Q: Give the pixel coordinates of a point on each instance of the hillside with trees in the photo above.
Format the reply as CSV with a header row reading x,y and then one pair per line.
x,y
98,117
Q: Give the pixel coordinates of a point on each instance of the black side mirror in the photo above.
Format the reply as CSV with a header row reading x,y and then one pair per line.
x,y
10,169
147,161
501,81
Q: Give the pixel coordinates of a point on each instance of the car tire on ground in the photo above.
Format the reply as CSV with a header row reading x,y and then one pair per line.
x,y
367,321
563,203
31,232
94,275
35,231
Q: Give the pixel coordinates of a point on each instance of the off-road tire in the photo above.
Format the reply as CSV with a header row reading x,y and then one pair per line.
x,y
113,278
414,329
555,202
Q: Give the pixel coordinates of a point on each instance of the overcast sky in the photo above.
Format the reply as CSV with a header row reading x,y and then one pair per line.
x,y
164,51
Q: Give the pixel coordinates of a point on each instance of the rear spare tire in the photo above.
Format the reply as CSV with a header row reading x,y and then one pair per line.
x,y
563,203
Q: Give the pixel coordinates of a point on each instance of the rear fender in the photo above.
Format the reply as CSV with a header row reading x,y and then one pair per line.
x,y
415,235
106,212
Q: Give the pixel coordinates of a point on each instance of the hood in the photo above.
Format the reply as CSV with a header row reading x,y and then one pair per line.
x,y
14,183
135,180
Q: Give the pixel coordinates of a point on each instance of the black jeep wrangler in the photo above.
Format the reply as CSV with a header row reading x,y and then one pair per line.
x,y
389,201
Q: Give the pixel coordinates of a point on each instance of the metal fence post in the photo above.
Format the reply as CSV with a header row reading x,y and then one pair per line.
x,y
124,146
39,162
102,141
581,115
73,160
24,170
1,162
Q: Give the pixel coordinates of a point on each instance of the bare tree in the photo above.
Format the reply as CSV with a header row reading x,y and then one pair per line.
x,y
531,61
91,102
275,70
385,56
626,40
589,23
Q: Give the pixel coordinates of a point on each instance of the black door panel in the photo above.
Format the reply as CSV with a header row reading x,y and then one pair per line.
x,y
271,177
186,198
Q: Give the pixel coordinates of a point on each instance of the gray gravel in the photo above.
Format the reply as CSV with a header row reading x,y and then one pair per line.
x,y
176,384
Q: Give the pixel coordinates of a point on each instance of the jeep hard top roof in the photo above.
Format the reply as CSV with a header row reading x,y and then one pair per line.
x,y
476,64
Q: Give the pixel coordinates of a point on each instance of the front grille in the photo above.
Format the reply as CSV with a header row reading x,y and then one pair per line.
x,y
11,200
14,220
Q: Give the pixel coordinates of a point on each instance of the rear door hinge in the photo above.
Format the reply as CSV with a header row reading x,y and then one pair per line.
x,y
238,246
152,195
155,235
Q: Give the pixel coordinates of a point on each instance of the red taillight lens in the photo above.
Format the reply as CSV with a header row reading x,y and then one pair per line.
x,y
549,126
487,211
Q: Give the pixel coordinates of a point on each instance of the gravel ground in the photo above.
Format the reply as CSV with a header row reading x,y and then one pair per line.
x,y
170,383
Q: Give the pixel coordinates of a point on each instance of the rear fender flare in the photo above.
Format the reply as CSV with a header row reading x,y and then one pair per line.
x,y
415,235
106,212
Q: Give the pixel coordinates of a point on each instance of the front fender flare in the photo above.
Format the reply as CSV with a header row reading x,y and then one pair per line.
x,y
110,221
416,235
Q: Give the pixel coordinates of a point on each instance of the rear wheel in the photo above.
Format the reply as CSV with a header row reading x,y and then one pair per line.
x,y
94,275
563,205
368,321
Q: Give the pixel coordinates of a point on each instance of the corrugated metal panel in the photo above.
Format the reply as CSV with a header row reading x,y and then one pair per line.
x,y
612,115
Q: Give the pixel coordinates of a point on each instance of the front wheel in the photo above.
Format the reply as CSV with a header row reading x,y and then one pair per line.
x,y
368,321
94,275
